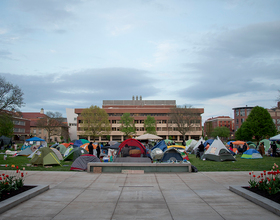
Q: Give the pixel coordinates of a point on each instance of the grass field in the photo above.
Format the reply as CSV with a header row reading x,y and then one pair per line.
x,y
239,165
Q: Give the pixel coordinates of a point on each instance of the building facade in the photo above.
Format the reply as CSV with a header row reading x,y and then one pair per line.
x,y
275,115
21,128
72,123
240,115
220,121
139,109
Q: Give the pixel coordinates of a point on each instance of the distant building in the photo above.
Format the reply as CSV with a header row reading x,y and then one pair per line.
x,y
220,121
275,115
240,115
21,128
72,123
139,109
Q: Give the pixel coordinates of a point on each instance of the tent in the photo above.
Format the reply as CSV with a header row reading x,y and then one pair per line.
x,y
238,142
114,146
5,141
161,145
61,148
148,137
171,154
210,141
66,144
84,141
75,153
134,144
68,151
178,147
58,154
78,143
157,154
85,146
275,138
35,139
266,143
45,156
25,147
81,162
218,152
25,152
251,154
196,146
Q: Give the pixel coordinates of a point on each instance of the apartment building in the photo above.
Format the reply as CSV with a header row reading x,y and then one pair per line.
x,y
220,121
139,109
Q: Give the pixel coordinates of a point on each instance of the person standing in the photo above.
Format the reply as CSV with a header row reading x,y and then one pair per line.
x,y
201,149
261,149
98,150
274,148
90,148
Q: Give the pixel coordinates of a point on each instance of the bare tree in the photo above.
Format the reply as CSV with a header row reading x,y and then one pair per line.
x,y
10,96
52,122
185,118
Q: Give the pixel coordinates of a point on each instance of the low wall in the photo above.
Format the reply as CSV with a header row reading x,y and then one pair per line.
x,y
145,167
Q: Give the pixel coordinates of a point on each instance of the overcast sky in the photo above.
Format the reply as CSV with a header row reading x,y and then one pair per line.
x,y
210,54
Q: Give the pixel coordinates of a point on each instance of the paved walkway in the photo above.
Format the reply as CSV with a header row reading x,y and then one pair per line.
x,y
81,195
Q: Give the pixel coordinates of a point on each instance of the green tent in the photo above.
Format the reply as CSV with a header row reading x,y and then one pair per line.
x,y
266,143
84,141
61,148
75,153
45,156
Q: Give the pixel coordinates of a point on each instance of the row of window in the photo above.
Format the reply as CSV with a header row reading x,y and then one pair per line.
x,y
241,112
278,121
139,122
16,122
21,130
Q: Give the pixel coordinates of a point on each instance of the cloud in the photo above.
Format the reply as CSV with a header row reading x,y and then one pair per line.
x,y
5,55
237,62
81,89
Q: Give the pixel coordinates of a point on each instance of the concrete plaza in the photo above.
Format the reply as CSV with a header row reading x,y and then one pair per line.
x,y
164,196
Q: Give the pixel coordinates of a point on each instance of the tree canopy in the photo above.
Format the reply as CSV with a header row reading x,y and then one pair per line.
x,y
95,122
222,132
150,125
6,125
52,123
184,117
259,124
10,96
128,126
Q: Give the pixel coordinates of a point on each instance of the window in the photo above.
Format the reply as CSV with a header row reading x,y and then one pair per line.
x,y
237,121
237,112
22,122
242,112
75,119
278,121
248,111
163,121
236,128
34,131
114,121
278,128
242,120
274,121
16,122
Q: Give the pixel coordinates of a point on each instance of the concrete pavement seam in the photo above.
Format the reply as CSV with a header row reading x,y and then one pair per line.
x,y
118,199
200,196
163,197
76,196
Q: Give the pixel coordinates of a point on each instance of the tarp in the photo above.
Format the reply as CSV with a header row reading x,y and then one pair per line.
x,y
251,154
75,153
148,137
157,154
35,139
81,162
5,141
161,145
171,155
218,152
45,156
275,138
25,152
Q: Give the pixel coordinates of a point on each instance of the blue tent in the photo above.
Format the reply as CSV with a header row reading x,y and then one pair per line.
x,y
78,143
161,145
171,154
251,154
228,143
35,139
210,141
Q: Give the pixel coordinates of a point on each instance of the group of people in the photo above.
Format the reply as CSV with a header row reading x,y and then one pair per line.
x,y
90,149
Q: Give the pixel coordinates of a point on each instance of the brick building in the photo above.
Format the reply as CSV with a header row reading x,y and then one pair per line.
x,y
139,109
240,115
220,121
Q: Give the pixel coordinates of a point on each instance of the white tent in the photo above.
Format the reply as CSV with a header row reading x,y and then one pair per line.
x,y
197,144
275,138
148,137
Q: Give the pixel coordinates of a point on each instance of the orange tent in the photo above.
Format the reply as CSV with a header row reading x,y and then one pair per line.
x,y
66,144
238,142
85,146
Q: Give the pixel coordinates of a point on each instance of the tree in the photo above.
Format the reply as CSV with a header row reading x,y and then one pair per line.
x,y
128,126
244,133
52,122
95,122
7,125
258,124
222,132
10,96
150,125
185,118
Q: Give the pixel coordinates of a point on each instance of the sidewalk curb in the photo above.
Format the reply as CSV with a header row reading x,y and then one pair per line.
x,y
257,199
15,200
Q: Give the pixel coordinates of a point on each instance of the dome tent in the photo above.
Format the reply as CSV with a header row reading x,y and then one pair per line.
x,y
171,154
44,156
75,153
251,154
81,162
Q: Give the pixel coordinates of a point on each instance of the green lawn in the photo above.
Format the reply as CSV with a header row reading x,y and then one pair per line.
x,y
240,165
